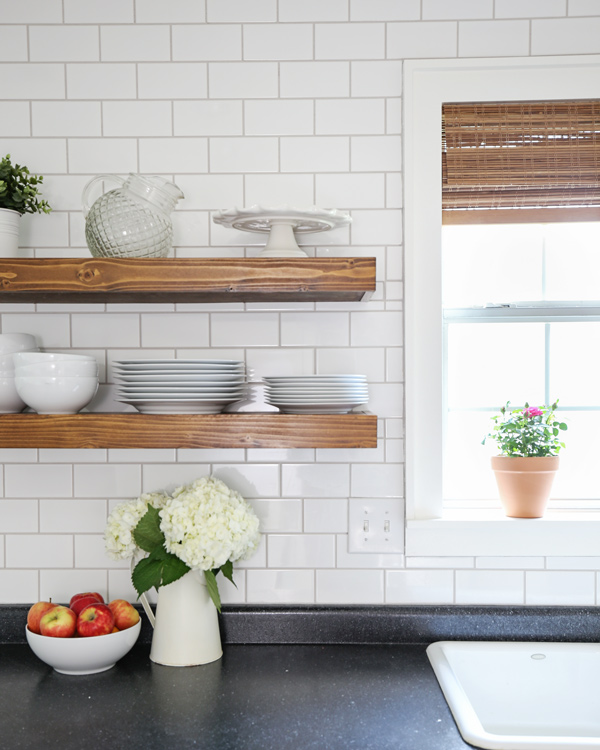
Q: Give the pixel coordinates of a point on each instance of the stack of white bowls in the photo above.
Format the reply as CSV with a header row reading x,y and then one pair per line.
x,y
56,383
10,401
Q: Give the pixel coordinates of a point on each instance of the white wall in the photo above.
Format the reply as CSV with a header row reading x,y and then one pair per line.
x,y
239,103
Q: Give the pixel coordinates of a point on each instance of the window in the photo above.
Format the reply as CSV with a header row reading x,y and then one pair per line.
x,y
428,85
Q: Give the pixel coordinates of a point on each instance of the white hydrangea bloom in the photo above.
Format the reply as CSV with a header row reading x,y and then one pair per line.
x,y
118,535
206,524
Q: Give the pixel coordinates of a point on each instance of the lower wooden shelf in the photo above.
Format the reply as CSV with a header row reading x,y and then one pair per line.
x,y
241,430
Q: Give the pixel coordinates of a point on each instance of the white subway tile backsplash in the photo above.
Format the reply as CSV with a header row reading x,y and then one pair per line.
x,y
106,329
19,586
280,586
533,8
35,550
279,515
458,9
99,11
313,10
322,329
315,480
212,117
172,80
566,588
249,329
211,191
384,10
315,154
122,118
18,516
326,515
274,189
314,79
375,329
43,11
243,154
375,78
15,120
241,11
278,41
377,480
158,330
139,43
66,118
350,587
107,480
168,155
572,36
61,584
74,516
248,80
101,81
350,190
50,330
278,117
376,227
99,156
42,230
175,11
425,39
356,361
376,153
13,43
301,550
72,456
63,43
352,116
90,552
250,480
31,81
419,587
498,38
582,7
490,587
157,477
209,42
356,41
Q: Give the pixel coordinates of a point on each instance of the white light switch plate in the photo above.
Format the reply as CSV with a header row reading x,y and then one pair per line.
x,y
375,526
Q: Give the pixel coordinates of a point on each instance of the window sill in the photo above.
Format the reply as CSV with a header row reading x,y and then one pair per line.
x,y
489,533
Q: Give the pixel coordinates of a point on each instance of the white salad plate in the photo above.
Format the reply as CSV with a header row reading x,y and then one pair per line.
x,y
309,401
164,388
150,396
316,391
316,379
195,362
203,380
178,366
316,408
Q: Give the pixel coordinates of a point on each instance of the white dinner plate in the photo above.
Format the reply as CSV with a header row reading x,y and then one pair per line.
x,y
317,409
311,379
187,395
314,391
176,377
315,401
178,406
207,362
178,366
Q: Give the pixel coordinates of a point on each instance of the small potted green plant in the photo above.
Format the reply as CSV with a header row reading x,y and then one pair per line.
x,y
529,440
19,194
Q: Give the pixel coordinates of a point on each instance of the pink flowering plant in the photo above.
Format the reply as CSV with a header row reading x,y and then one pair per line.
x,y
530,431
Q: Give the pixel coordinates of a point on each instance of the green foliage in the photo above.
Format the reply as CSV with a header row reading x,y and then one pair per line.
x,y
19,189
530,431
162,567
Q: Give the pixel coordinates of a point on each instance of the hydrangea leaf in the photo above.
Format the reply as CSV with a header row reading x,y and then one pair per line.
x,y
147,533
213,589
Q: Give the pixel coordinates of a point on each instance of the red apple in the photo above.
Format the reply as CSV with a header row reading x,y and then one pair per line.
x,y
36,613
97,597
95,619
125,614
58,622
79,603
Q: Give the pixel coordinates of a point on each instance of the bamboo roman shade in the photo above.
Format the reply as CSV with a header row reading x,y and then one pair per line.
x,y
520,155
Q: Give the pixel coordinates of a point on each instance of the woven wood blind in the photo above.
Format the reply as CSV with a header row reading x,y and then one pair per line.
x,y
499,155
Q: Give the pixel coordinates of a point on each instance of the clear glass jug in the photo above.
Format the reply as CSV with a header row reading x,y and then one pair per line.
x,y
131,221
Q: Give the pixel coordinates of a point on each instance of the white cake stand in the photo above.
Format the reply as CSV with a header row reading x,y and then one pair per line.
x,y
282,223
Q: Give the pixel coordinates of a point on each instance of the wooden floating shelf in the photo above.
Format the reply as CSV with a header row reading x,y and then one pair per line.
x,y
240,430
186,279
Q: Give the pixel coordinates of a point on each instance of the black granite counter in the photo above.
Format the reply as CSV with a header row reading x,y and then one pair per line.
x,y
297,678
255,698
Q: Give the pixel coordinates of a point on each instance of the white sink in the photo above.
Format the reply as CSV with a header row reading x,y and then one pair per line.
x,y
520,696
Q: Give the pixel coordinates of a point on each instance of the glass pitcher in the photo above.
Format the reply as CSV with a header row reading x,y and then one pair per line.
x,y
131,221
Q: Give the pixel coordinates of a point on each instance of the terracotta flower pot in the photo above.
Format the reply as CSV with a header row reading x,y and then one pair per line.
x,y
524,483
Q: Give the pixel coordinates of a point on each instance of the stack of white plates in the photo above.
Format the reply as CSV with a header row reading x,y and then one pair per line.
x,y
181,386
317,394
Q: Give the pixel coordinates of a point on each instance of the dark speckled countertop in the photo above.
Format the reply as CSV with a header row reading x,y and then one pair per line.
x,y
323,678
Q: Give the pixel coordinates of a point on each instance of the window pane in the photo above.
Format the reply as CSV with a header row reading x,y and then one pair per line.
x,y
500,263
490,364
467,472
578,477
574,363
573,261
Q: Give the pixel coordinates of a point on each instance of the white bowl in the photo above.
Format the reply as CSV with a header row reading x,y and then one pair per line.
x,y
65,368
17,342
56,395
7,362
10,401
83,655
33,357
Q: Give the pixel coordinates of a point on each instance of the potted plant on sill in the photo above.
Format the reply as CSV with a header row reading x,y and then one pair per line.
x,y
529,440
19,194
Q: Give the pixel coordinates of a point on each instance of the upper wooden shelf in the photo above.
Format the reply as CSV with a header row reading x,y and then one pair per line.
x,y
186,279
241,430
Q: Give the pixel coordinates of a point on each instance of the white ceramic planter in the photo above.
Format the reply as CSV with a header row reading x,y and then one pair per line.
x,y
9,233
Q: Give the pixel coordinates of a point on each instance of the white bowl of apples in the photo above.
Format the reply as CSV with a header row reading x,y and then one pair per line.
x,y
86,637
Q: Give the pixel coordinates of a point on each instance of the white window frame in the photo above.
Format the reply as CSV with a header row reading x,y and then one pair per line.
x,y
427,85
